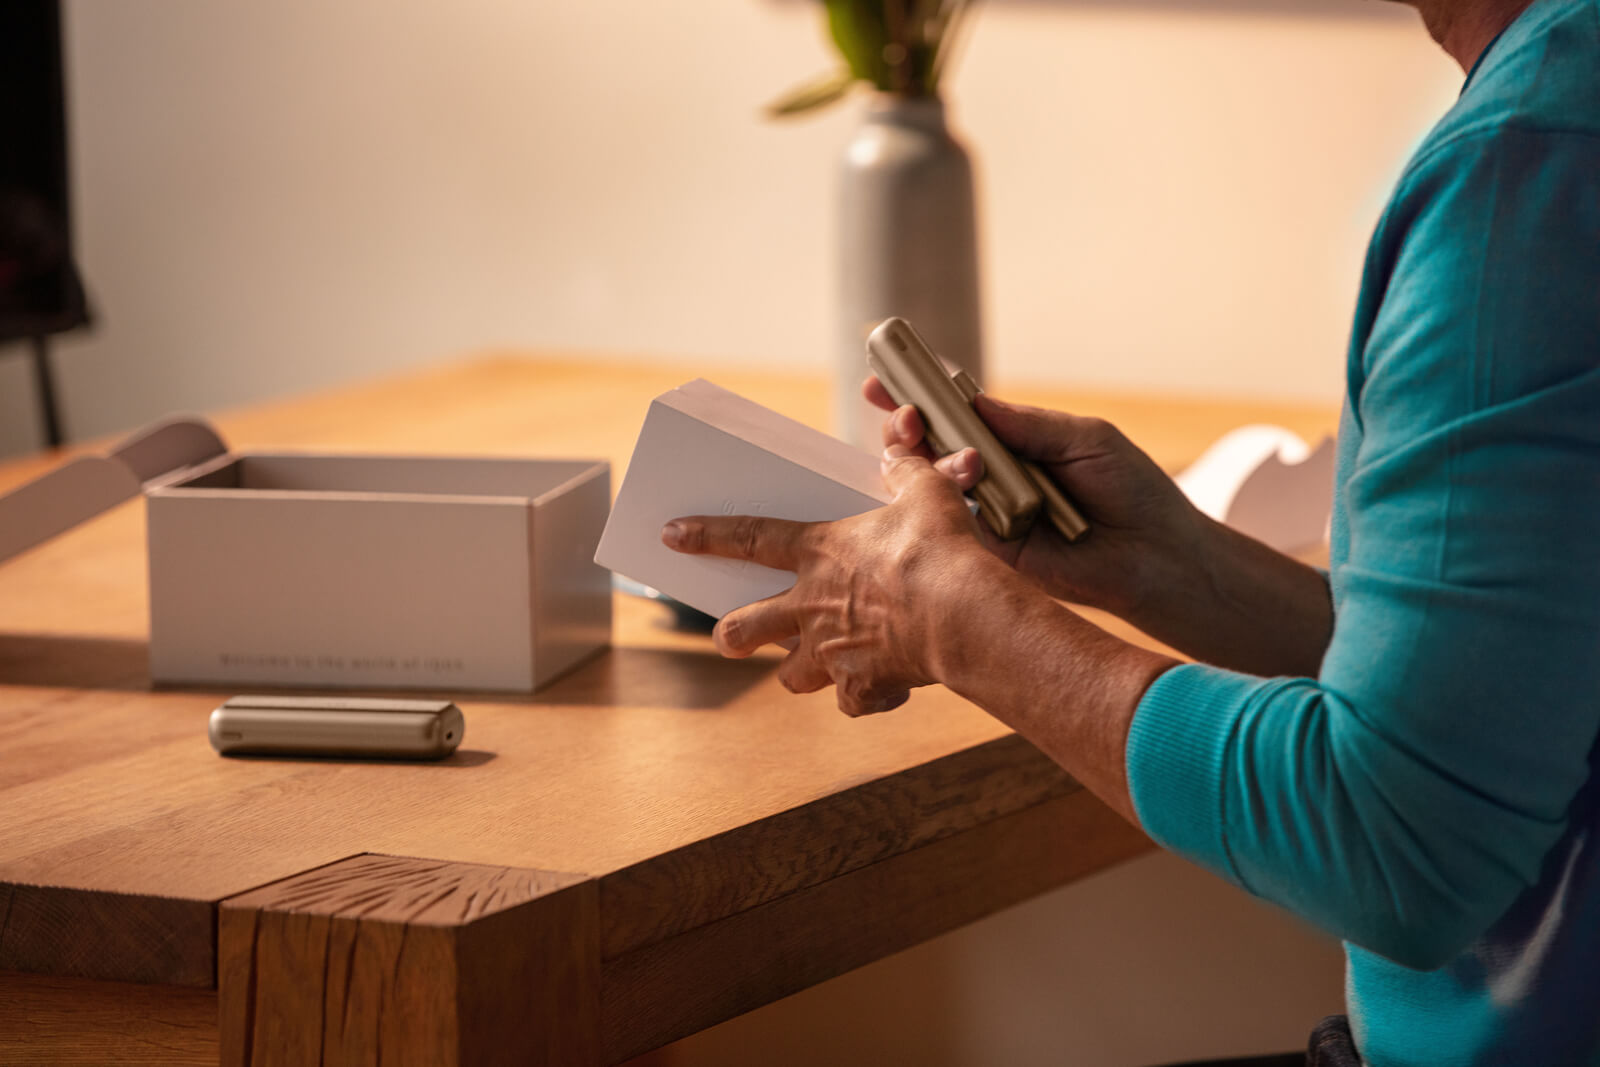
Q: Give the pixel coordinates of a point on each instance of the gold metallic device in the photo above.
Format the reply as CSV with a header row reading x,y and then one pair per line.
x,y
1012,491
337,726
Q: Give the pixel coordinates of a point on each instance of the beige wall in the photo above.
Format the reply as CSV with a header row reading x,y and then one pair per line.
x,y
273,196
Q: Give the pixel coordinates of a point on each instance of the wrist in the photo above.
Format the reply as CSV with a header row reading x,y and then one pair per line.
x,y
1058,680
986,602
1174,572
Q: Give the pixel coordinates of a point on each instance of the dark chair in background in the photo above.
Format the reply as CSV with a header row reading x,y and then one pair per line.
x,y
40,291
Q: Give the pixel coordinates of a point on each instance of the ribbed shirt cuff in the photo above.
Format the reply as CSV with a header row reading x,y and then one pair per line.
x,y
1177,750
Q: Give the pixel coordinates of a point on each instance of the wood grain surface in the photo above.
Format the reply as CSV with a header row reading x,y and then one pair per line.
x,y
92,933
682,985
74,1021
842,832
384,959
718,826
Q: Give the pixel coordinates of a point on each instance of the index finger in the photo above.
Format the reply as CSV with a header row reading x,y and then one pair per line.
x,y
757,538
875,393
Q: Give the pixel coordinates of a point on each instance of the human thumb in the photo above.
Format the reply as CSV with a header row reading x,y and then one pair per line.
x,y
1032,433
901,468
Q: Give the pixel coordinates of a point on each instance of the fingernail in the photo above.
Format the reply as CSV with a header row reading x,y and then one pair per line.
x,y
966,463
901,417
672,534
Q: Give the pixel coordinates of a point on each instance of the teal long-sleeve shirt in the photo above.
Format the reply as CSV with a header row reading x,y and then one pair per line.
x,y
1431,797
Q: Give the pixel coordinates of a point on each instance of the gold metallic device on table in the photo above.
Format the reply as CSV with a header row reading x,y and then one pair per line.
x,y
336,726
1013,491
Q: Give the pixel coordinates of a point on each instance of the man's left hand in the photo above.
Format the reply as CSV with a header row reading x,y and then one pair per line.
x,y
871,591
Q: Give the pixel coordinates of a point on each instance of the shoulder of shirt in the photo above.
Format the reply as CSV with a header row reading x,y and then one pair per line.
x,y
1540,82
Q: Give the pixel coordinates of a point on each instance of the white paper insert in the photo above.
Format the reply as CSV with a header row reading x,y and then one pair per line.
x,y
706,451
1266,482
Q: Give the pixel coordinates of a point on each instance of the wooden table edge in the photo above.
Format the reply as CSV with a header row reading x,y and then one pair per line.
x,y
143,938
365,953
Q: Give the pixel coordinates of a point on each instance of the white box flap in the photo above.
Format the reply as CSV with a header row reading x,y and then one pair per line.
x,y
82,488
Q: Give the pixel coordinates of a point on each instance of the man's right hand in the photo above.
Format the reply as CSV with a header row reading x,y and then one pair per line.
x,y
1150,556
1142,529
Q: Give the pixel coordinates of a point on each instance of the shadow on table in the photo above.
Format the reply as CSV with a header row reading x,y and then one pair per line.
x,y
70,662
658,678
461,757
618,677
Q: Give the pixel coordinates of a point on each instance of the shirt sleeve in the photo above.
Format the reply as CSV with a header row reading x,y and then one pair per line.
x,y
1404,797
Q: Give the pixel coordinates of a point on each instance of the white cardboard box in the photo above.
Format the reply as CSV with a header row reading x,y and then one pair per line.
x,y
331,571
706,451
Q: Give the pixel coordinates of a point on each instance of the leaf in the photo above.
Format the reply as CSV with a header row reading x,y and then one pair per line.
x,y
859,33
813,94
945,33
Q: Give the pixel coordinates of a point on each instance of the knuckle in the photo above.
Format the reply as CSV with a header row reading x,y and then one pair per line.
x,y
747,534
935,482
730,632
890,429
798,675
907,555
1100,432
854,689
889,698
915,474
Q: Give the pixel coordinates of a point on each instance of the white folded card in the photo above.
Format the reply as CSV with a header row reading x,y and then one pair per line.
x,y
706,451
1266,482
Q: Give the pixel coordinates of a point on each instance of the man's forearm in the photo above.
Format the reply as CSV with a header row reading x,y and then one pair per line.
x,y
1234,602
1058,680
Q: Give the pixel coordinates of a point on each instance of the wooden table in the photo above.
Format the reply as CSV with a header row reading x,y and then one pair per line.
x,y
657,842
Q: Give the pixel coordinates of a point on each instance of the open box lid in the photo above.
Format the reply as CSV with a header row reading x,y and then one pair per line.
x,y
82,488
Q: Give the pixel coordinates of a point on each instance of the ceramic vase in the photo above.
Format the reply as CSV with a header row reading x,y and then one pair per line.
x,y
907,245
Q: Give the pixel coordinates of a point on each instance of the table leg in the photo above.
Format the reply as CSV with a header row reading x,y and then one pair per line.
x,y
411,961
